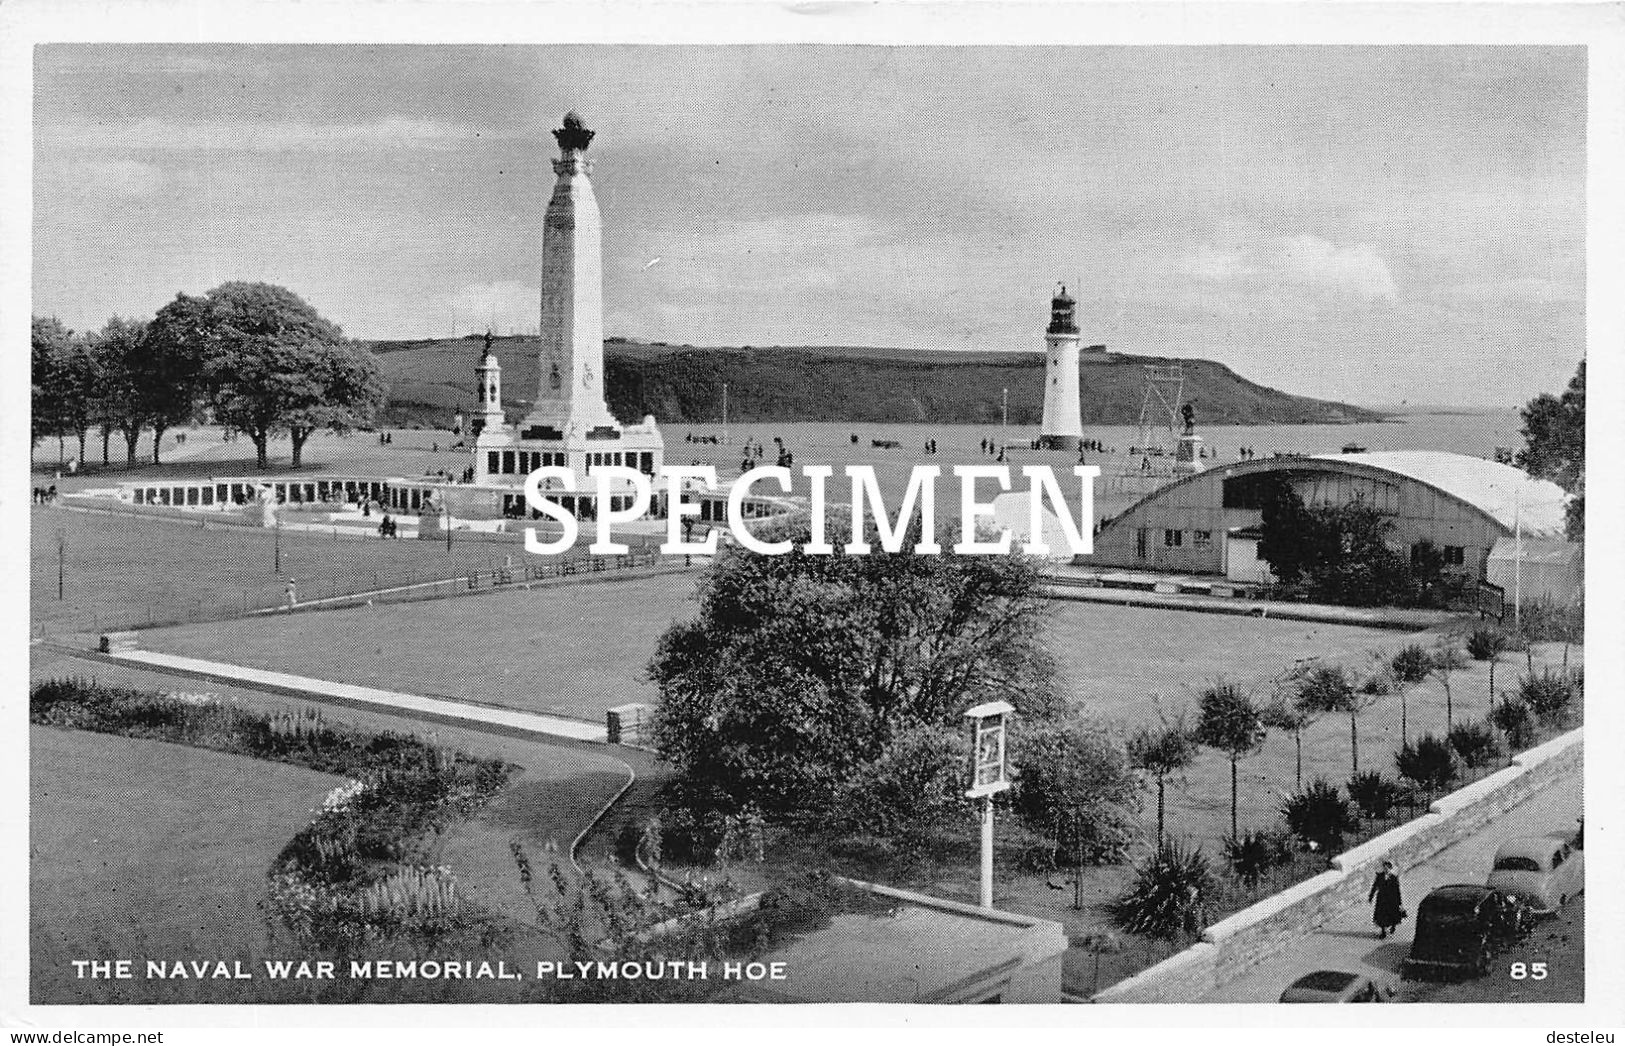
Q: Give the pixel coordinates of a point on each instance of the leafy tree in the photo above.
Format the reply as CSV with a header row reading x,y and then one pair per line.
x,y
159,381
1076,787
1488,644
1169,898
1327,690
50,343
113,349
1554,432
914,785
1230,722
1430,762
799,670
1475,743
272,363
1374,794
1547,694
1255,853
1447,660
1161,752
1511,716
1292,539
1286,710
1319,815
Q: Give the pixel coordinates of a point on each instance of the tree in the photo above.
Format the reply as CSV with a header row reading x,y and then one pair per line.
x,y
1319,815
50,343
273,364
1554,433
1327,689
1076,787
116,349
157,382
1430,763
1410,665
1161,752
1284,712
1229,721
1446,660
800,669
1340,552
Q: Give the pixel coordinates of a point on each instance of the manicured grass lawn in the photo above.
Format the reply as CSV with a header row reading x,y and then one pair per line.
x,y
141,849
551,799
571,650
123,571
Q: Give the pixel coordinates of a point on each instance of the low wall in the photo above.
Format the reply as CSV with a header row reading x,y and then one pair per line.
x,y
1229,947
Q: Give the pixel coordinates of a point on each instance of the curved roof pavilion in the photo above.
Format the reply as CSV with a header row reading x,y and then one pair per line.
x,y
1457,503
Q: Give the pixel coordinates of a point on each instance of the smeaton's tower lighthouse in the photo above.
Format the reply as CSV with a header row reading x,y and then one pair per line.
x,y
1063,429
570,423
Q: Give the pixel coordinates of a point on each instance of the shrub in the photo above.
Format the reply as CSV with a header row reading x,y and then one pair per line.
x,y
1374,794
1548,695
1429,763
1319,815
1255,853
1475,743
1411,664
1168,900
1511,716
1483,644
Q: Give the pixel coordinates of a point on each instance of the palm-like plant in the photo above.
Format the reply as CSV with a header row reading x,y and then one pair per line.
x,y
1168,900
1230,722
1162,752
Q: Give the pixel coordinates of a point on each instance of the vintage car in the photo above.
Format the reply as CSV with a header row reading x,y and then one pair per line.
x,y
1459,929
1336,986
1542,871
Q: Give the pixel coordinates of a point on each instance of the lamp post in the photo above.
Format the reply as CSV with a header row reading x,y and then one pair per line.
x,y
61,553
990,775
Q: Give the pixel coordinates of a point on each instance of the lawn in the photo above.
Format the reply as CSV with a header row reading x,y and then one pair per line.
x,y
141,849
570,650
125,571
191,803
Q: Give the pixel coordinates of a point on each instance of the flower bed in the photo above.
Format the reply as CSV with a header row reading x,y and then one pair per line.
x,y
361,870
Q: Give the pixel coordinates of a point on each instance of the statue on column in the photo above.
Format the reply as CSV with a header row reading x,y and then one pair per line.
x,y
1189,414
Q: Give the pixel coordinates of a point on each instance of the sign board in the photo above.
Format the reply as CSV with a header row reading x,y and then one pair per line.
x,y
989,766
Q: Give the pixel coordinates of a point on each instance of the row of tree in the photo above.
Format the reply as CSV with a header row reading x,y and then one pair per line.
x,y
254,357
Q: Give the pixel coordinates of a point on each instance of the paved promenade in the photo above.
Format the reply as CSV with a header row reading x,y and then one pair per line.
x,y
1350,941
282,682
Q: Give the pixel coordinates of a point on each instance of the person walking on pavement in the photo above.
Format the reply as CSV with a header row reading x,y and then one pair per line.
x,y
1388,912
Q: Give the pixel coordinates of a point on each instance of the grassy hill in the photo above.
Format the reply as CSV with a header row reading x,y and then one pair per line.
x,y
683,384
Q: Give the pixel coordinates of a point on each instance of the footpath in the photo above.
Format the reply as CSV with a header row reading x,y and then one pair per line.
x,y
1349,942
366,696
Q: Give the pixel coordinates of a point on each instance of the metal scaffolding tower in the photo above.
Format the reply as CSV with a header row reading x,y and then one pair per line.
x,y
1150,461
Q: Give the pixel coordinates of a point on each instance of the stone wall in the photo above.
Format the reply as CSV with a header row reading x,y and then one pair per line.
x,y
1229,947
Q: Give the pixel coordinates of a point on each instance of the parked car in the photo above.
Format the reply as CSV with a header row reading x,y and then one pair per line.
x,y
1542,871
1336,986
1460,928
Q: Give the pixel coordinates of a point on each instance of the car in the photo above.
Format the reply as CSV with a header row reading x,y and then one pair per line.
x,y
1459,929
1336,986
1542,871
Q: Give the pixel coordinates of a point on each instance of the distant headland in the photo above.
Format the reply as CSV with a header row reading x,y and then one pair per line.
x,y
682,384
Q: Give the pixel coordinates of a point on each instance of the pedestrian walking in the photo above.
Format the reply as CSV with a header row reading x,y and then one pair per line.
x,y
293,595
1389,911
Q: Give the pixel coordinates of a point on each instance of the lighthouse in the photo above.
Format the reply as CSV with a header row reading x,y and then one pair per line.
x,y
1063,427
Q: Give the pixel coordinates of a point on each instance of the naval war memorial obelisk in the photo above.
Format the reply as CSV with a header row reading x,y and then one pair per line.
x,y
570,423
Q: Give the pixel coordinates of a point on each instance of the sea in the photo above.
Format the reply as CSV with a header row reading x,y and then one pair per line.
x,y
1474,432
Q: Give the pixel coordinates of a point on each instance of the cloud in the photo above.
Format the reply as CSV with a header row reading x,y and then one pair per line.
x,y
284,136
1299,266
102,180
505,306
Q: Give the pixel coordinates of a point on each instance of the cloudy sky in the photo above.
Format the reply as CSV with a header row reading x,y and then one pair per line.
x,y
1371,224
